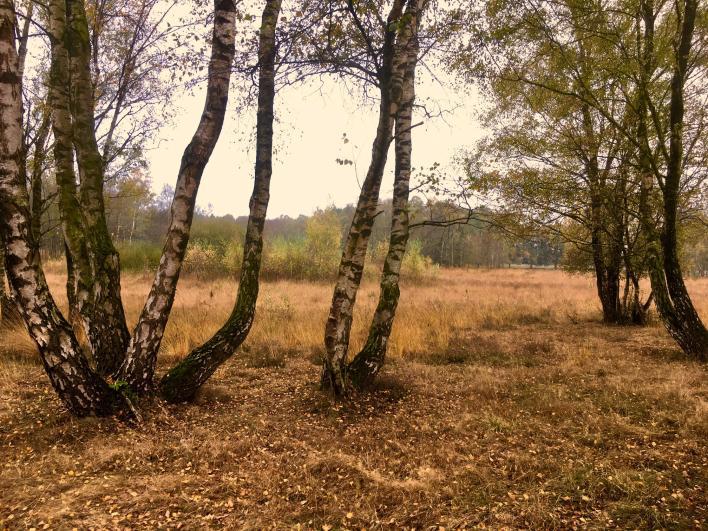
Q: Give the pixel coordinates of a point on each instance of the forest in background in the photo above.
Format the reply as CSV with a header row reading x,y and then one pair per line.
x,y
309,247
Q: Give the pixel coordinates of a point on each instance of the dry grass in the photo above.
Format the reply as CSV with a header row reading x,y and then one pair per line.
x,y
505,404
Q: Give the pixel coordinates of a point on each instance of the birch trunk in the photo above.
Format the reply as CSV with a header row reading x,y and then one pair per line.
x,y
367,363
605,258
139,366
605,252
82,391
107,332
694,335
36,174
183,381
351,266
3,290
608,277
79,273
9,314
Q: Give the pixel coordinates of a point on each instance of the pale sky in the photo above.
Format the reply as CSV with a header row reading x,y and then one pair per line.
x,y
311,120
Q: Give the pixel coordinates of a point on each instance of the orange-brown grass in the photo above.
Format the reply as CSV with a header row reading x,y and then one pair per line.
x,y
505,403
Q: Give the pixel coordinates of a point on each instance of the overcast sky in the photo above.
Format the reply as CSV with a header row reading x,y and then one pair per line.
x,y
311,120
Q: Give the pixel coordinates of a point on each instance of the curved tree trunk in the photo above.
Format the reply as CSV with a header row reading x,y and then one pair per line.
x,y
367,363
139,366
107,332
183,380
339,323
694,335
82,391
671,297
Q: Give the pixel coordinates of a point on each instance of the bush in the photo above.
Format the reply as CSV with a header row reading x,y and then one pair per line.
x,y
203,260
139,257
415,265
232,258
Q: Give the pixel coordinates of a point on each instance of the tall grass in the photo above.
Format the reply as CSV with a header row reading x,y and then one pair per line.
x,y
517,409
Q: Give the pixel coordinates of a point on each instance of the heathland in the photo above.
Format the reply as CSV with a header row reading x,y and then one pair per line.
x,y
504,403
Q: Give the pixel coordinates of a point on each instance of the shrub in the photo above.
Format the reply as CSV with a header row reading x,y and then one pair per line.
x,y
415,265
139,257
232,257
314,257
204,260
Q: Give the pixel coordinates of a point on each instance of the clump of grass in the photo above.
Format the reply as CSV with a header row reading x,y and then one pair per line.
x,y
466,349
271,358
139,257
497,424
18,355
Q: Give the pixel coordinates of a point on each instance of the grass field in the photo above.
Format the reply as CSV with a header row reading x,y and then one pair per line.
x,y
505,404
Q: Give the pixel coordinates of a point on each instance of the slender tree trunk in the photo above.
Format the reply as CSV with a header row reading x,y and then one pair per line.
x,y
638,310
124,79
138,369
183,381
24,39
695,335
79,272
670,294
36,174
351,267
607,276
82,391
74,316
3,289
607,268
108,332
367,363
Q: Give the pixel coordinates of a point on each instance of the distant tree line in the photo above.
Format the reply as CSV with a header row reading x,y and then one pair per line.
x,y
137,220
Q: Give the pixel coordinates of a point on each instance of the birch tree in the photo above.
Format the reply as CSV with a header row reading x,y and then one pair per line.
x,y
139,366
82,390
368,362
95,262
183,380
663,167
645,53
396,33
8,309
